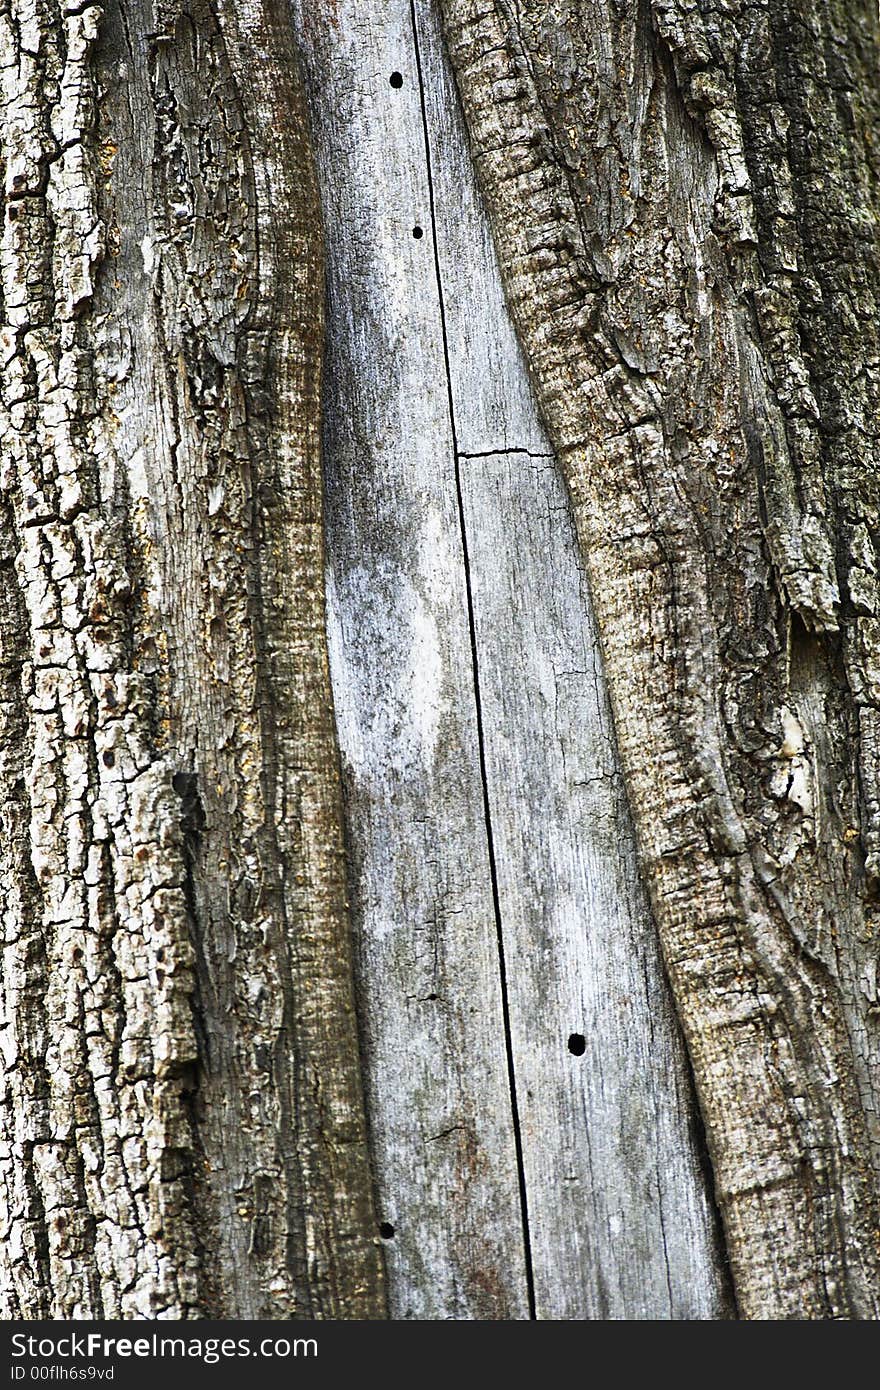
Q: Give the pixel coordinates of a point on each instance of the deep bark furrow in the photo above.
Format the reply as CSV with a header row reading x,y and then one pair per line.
x,y
685,207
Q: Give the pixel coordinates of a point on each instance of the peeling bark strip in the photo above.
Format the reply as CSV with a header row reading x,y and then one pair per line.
x,y
685,202
182,1130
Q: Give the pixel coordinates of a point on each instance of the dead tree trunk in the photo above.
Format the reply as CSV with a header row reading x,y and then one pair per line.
x,y
182,1125
685,202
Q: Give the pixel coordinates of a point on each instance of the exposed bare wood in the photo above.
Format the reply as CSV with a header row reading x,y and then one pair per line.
x,y
443,497
684,199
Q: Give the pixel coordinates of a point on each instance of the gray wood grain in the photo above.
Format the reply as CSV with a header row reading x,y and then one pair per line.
x,y
656,209
432,1016
447,523
618,1218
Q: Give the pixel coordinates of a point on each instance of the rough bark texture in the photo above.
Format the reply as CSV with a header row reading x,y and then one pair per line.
x,y
182,1129
685,200
684,196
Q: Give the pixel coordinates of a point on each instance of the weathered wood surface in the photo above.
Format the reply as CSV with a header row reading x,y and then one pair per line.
x,y
685,201
421,881
182,1130
484,806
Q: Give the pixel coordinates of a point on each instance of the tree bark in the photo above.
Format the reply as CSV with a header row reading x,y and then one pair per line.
x,y
183,1131
685,200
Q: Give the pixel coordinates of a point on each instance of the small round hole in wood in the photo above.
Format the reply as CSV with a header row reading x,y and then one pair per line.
x,y
577,1044
386,1230
396,79
418,233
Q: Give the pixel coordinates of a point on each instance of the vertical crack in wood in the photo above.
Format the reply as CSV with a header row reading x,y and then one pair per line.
x,y
684,200
502,964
